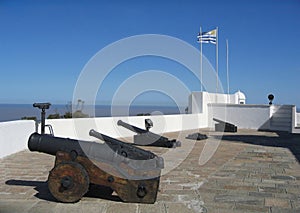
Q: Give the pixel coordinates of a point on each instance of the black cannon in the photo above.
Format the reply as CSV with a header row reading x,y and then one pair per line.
x,y
196,136
223,126
146,138
132,172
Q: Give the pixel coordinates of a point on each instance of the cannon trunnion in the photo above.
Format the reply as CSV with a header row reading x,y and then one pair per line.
x,y
131,172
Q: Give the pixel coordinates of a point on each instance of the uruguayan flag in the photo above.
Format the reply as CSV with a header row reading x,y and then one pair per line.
x,y
208,37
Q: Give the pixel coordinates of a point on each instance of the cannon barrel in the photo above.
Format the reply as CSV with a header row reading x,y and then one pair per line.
x,y
112,150
147,138
142,131
123,148
51,145
131,127
218,120
224,126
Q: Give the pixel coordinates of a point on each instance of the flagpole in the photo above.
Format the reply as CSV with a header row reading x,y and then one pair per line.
x,y
227,65
201,67
217,70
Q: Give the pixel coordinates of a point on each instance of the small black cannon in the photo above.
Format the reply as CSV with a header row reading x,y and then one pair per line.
x,y
223,126
196,136
146,138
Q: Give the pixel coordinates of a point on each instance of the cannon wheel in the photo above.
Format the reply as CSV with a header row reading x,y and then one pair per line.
x,y
68,182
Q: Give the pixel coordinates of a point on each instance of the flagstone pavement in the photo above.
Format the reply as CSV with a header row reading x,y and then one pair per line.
x,y
247,171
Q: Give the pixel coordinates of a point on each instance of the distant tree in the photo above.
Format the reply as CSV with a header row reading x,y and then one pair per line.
x,y
29,118
54,116
67,115
143,114
80,105
78,112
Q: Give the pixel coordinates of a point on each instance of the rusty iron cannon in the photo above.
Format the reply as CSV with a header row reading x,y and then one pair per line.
x,y
144,137
130,171
133,173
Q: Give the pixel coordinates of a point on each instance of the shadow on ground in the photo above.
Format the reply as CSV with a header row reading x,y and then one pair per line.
x,y
40,186
283,140
95,191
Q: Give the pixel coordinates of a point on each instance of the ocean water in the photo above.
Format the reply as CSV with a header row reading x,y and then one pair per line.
x,y
9,112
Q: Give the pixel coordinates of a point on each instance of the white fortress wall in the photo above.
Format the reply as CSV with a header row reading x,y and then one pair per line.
x,y
198,101
242,115
296,121
232,108
14,136
203,107
282,117
79,128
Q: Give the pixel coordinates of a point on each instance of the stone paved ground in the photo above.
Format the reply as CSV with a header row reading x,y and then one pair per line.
x,y
249,172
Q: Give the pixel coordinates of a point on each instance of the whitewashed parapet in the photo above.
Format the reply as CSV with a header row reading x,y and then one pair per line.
x,y
282,118
79,128
14,136
244,116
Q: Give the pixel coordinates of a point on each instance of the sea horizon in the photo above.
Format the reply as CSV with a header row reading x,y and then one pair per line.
x,y
10,112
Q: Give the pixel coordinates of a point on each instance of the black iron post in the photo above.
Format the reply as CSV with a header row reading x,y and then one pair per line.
x,y
43,107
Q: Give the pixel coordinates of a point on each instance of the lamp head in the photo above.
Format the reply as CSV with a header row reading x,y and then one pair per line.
x,y
271,98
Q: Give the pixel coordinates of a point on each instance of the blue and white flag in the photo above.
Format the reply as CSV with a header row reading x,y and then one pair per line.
x,y
208,37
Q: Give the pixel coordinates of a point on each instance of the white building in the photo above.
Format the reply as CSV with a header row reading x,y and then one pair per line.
x,y
232,108
198,100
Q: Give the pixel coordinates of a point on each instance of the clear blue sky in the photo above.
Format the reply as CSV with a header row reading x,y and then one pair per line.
x,y
45,44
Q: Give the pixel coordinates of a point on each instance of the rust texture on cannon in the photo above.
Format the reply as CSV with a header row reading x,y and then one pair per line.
x,y
144,137
223,126
131,172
